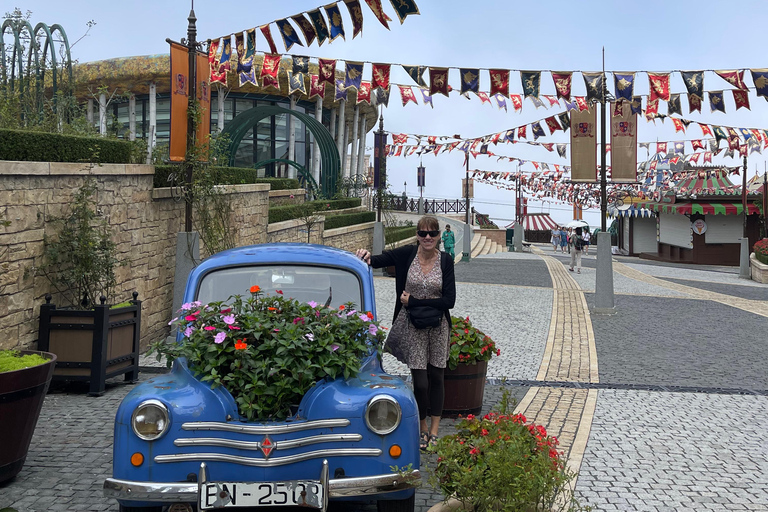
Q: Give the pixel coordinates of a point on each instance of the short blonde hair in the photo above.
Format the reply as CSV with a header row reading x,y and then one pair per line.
x,y
428,223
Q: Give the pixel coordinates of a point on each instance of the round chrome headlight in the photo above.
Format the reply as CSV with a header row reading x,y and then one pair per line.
x,y
382,414
150,420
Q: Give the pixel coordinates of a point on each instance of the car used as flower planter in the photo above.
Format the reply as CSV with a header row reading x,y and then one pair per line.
x,y
276,395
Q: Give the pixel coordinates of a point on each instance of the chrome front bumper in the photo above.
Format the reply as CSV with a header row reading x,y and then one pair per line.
x,y
126,490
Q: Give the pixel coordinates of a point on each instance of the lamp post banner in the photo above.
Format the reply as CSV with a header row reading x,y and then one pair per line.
x,y
379,143
203,76
584,145
179,102
623,143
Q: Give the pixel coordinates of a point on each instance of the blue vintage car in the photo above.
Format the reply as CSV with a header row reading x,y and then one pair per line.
x,y
182,445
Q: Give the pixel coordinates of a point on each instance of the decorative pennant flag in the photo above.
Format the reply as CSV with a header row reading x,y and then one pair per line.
x,y
694,83
741,98
679,148
340,91
356,13
651,109
694,103
417,74
565,120
484,97
553,125
659,86
270,66
719,135
381,76
364,93
470,79
290,36
382,97
570,105
499,81
734,77
375,6
678,125
746,133
316,87
594,83
226,54
296,83
760,78
673,106
563,81
495,138
697,144
327,70
306,27
509,136
707,157
246,69
501,102
581,101
694,158
321,28
661,147
625,85
270,81
353,74
644,145
300,64
399,138
403,8
537,102
637,105
517,102
705,130
267,33
728,153
521,132
334,18
716,102
560,150
406,93
427,99
531,82
216,76
438,81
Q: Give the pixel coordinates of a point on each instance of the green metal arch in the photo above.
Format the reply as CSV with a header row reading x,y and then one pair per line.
x,y
330,163
305,174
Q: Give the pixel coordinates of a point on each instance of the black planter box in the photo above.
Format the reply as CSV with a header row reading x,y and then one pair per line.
x,y
92,345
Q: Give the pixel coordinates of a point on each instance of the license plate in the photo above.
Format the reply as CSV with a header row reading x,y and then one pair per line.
x,y
215,495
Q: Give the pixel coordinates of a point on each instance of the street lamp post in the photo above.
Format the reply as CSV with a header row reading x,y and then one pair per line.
x,y
405,188
192,49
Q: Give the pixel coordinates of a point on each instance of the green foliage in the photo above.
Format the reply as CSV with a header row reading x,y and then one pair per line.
x,y
282,213
761,250
269,351
349,219
394,234
11,360
499,462
53,147
225,176
469,344
79,260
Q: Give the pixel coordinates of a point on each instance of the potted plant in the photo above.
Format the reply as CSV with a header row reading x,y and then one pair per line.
x,y
759,261
24,380
93,339
470,351
501,462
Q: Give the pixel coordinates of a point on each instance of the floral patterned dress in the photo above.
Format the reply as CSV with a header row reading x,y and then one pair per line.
x,y
417,347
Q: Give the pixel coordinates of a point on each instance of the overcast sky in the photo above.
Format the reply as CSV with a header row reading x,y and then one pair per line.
x,y
559,35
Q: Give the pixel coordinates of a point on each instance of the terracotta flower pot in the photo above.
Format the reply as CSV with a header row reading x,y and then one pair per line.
x,y
22,393
464,388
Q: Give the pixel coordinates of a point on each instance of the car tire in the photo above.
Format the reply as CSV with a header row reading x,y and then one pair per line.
x,y
406,505
140,509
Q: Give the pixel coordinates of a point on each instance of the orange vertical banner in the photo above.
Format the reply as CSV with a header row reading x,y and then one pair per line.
x,y
203,72
179,102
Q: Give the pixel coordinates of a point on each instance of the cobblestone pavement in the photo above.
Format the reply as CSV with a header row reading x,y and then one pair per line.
x,y
609,386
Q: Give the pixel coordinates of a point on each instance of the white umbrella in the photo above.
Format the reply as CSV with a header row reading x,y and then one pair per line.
x,y
577,224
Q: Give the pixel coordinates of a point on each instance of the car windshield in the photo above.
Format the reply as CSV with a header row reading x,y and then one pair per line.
x,y
303,283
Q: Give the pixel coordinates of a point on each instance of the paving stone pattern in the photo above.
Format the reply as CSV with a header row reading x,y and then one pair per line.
x,y
745,291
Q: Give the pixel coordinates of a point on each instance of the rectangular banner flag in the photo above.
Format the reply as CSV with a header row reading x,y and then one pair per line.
x,y
584,145
179,102
203,91
623,143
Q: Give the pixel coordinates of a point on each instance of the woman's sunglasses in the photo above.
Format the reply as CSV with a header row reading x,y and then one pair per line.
x,y
423,234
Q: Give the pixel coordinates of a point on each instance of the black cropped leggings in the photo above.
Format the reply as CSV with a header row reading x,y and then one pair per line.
x,y
429,390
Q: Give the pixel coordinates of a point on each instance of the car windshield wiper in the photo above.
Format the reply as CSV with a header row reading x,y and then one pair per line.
x,y
330,296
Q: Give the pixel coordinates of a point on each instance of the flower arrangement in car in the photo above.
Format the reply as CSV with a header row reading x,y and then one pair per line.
x,y
502,462
268,351
469,344
761,250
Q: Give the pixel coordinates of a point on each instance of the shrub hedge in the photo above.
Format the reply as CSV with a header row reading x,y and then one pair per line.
x,y
22,145
282,213
394,234
227,176
349,219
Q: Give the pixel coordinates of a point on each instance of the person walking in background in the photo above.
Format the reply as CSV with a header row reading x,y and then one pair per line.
x,y
420,335
449,241
555,240
587,238
577,244
563,239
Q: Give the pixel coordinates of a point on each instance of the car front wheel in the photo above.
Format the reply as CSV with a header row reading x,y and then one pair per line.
x,y
406,505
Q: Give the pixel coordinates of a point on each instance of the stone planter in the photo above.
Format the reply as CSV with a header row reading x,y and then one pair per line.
x,y
759,270
92,345
22,393
464,388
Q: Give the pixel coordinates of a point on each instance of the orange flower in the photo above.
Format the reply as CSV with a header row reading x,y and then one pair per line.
x,y
255,288
271,308
342,307
241,345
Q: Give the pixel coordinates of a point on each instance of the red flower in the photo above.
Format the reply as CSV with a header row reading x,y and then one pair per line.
x,y
470,416
342,307
474,451
190,318
369,315
255,288
279,291
498,352
484,432
241,345
271,308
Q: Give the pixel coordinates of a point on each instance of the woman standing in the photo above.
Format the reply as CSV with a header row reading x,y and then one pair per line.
x,y
424,283
555,240
563,239
577,244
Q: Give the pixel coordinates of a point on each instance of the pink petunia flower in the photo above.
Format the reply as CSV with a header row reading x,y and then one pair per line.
x,y
312,304
229,319
334,347
220,337
209,328
188,332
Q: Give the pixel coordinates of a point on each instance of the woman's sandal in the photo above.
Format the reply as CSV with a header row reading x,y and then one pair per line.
x,y
432,441
423,441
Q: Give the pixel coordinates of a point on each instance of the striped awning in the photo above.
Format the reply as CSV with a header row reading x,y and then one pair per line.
x,y
710,185
632,211
701,208
537,222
